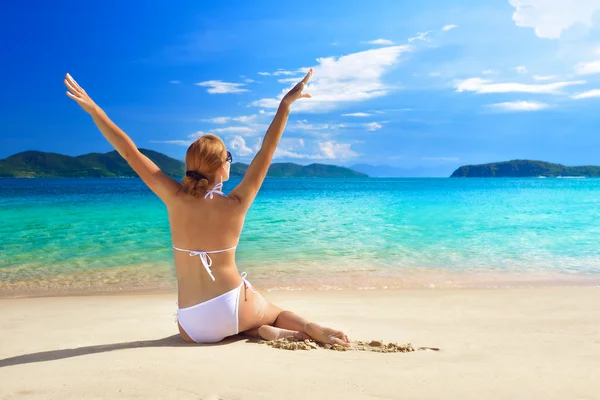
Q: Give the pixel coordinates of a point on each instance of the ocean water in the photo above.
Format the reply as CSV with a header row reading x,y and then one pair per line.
x,y
112,234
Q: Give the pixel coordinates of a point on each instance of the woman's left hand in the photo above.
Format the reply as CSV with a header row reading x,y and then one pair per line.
x,y
77,93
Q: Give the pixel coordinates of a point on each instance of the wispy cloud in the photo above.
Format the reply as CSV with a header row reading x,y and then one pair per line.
x,y
219,120
264,73
489,72
357,114
234,129
449,28
383,42
479,85
373,126
306,126
263,112
220,87
521,69
175,82
520,106
588,95
435,73
285,72
420,36
351,78
182,142
588,68
549,18
544,77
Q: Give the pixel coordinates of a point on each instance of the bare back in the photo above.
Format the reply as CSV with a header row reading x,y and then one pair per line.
x,y
201,224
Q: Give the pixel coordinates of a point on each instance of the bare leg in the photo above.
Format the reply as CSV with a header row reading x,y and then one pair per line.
x,y
255,312
288,320
268,332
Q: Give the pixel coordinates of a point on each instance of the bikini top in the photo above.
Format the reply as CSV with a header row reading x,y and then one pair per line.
x,y
204,255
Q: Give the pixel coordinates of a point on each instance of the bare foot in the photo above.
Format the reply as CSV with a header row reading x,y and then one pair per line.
x,y
268,332
326,335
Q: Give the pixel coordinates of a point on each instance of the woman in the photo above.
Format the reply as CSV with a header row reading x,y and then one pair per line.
x,y
205,230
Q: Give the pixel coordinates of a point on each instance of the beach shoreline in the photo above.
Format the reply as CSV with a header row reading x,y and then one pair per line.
x,y
144,279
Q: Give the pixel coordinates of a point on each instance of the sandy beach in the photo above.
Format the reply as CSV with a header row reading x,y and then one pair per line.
x,y
495,344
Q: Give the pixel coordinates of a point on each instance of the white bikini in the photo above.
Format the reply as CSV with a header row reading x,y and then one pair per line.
x,y
213,320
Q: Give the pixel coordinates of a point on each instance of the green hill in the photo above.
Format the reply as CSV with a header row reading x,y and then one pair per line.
x,y
523,169
291,170
37,164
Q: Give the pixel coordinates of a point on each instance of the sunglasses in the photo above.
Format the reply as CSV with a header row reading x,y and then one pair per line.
x,y
229,158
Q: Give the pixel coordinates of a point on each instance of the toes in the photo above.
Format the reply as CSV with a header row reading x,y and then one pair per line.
x,y
339,342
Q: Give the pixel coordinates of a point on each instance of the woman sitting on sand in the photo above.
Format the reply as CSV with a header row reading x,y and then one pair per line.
x,y
205,230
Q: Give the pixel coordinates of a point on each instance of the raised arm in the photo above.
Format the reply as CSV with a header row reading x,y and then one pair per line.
x,y
246,191
164,186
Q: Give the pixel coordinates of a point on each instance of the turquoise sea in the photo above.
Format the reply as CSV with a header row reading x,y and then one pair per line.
x,y
112,234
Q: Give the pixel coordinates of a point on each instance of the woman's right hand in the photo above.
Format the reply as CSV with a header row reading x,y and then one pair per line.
x,y
296,92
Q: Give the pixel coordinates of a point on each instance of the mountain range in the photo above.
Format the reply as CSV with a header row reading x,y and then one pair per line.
x,y
37,164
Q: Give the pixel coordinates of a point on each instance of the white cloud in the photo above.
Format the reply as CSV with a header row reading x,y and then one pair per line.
x,y
544,77
248,80
588,95
175,82
288,147
479,85
357,114
284,72
351,78
549,18
258,143
420,36
384,42
245,119
218,120
264,73
235,129
239,145
373,126
489,72
263,112
449,28
338,151
521,69
185,142
220,87
435,74
588,68
306,126
520,106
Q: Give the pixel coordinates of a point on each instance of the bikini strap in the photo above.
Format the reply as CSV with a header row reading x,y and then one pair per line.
x,y
205,258
216,189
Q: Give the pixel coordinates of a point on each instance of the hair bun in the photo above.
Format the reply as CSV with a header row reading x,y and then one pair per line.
x,y
195,175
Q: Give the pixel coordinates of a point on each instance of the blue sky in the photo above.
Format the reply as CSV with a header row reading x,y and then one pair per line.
x,y
407,84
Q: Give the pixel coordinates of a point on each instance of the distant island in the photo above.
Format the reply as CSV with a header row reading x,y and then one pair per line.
x,y
38,164
524,169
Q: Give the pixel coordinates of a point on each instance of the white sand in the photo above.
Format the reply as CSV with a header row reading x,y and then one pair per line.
x,y
495,344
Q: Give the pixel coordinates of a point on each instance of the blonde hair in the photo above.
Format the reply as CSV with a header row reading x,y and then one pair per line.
x,y
202,160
